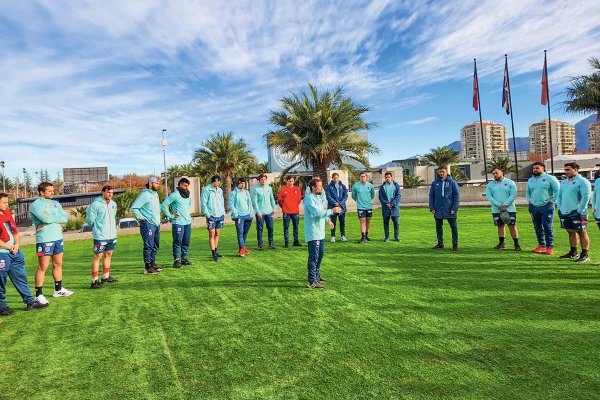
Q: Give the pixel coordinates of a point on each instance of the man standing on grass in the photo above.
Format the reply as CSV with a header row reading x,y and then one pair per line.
x,y
363,193
289,198
315,215
12,261
264,207
47,216
596,201
101,216
501,193
389,196
573,198
213,208
541,193
240,207
337,195
180,203
146,209
444,199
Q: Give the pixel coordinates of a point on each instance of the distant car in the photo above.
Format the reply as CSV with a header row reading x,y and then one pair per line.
x,y
85,228
128,223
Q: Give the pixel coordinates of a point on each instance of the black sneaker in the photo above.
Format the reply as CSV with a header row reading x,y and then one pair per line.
x,y
583,259
151,271
517,247
96,285
297,244
438,246
500,246
455,247
272,247
570,256
362,240
6,311
215,258
396,240
156,267
321,279
177,264
186,262
218,255
36,305
260,248
110,279
286,245
386,240
368,239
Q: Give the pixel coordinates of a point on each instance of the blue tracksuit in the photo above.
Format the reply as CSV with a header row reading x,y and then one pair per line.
x,y
444,196
337,195
390,194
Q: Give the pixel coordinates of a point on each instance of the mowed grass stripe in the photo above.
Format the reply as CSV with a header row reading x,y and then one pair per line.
x,y
397,320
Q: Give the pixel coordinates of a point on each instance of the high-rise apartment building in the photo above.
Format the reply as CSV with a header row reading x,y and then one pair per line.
x,y
563,137
495,136
594,137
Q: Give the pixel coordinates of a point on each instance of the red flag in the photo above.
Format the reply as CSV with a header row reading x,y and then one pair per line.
x,y
475,90
545,84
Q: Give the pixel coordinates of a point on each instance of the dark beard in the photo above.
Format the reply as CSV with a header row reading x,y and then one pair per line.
x,y
538,174
185,193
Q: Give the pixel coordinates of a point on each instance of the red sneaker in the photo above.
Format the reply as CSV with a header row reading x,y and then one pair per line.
x,y
549,251
241,253
246,250
539,250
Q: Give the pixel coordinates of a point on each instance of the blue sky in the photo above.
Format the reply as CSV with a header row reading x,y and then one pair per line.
x,y
91,83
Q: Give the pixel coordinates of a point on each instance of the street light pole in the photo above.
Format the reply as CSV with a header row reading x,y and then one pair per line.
x,y
25,182
3,177
164,146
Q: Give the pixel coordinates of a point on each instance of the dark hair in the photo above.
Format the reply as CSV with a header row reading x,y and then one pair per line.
x,y
363,173
313,183
215,178
499,169
597,174
106,188
240,180
262,176
573,165
287,178
388,174
443,166
183,180
3,195
42,186
335,174
541,164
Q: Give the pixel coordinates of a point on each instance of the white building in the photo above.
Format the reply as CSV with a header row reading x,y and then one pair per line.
x,y
495,136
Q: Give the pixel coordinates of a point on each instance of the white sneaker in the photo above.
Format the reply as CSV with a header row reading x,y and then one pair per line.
x,y
343,239
333,239
63,293
41,299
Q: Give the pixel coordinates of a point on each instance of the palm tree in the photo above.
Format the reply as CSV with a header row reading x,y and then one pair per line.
x,y
322,128
124,201
79,212
411,181
583,96
224,155
504,164
441,155
457,174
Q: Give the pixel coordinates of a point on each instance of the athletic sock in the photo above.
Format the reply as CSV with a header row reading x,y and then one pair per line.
x,y
38,291
500,239
95,276
57,285
516,241
584,253
214,252
105,273
573,250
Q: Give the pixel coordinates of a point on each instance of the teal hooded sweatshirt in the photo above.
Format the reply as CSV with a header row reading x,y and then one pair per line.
x,y
315,217
212,202
102,217
363,194
147,206
263,200
542,190
502,192
574,194
240,203
179,205
47,215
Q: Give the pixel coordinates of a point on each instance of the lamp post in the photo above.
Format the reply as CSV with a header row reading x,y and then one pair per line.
x,y
164,146
25,182
3,178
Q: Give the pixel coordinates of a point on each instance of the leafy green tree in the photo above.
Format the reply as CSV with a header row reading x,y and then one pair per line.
x,y
322,128
79,212
411,181
124,201
583,94
441,155
224,155
502,163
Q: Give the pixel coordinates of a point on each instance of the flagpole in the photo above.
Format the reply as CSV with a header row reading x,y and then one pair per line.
x,y
549,120
481,124
512,122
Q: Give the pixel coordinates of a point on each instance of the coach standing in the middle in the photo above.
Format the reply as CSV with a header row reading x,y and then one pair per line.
x,y
444,198
389,196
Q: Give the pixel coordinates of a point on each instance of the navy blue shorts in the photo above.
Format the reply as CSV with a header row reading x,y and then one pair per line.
x,y
100,246
574,220
50,248
215,222
365,213
498,221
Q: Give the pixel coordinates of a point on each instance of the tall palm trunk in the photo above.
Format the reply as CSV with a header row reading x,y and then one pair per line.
x,y
226,190
321,170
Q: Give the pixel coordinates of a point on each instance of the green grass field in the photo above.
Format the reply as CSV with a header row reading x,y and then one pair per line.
x,y
396,320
